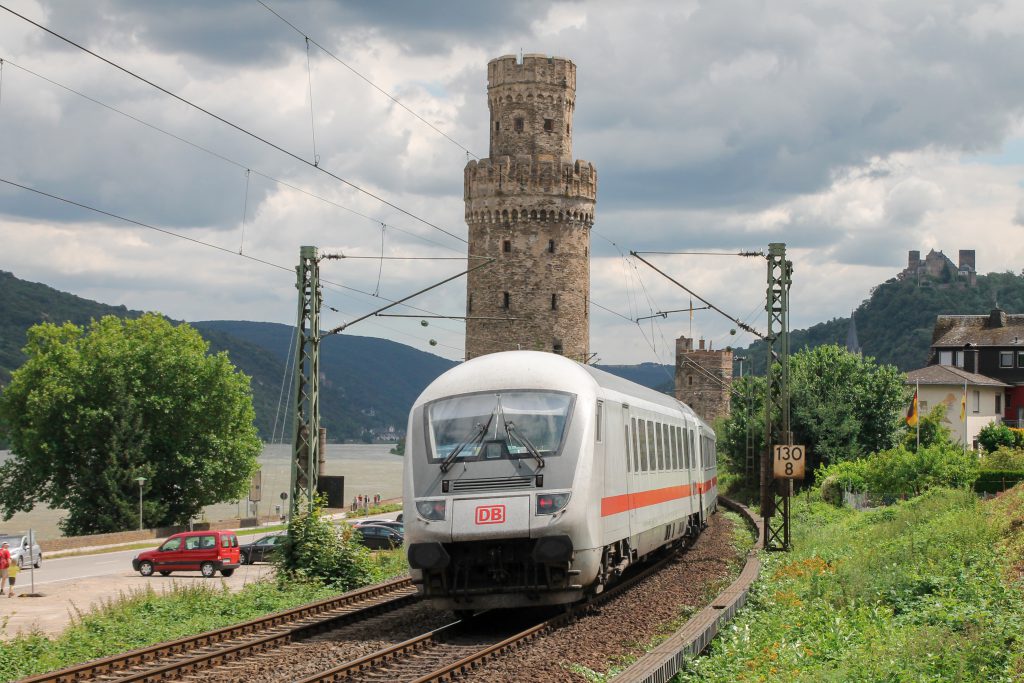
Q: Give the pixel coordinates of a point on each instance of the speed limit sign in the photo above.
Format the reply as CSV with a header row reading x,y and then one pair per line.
x,y
789,462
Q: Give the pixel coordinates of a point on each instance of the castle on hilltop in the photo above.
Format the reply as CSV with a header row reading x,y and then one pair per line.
x,y
530,207
937,267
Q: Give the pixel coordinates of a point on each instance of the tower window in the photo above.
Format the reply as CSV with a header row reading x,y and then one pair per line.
x,y
567,129
497,126
554,302
519,124
557,348
549,125
506,246
504,300
551,246
469,303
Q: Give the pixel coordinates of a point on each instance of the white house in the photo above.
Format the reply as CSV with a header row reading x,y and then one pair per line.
x,y
947,385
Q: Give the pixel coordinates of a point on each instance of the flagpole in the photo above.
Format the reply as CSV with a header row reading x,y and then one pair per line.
x,y
917,410
964,409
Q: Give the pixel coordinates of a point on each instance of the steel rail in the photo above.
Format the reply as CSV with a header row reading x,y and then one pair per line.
x,y
283,626
487,652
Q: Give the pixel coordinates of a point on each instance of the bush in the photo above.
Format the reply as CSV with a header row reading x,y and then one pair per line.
x,y
899,473
1003,458
318,551
994,435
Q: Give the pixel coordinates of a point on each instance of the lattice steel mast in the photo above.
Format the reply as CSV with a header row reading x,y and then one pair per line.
x,y
306,416
775,496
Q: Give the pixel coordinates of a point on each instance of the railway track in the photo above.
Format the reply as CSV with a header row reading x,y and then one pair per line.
x,y
180,657
446,653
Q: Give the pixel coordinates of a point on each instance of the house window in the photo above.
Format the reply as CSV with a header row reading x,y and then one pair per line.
x,y
505,300
549,125
976,401
519,124
1006,359
999,404
554,302
945,357
1020,359
506,246
922,406
958,358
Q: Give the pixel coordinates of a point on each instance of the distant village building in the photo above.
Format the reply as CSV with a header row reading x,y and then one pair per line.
x,y
703,379
530,207
937,268
979,358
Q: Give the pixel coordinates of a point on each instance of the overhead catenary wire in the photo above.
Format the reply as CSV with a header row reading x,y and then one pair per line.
x,y
233,125
221,157
209,245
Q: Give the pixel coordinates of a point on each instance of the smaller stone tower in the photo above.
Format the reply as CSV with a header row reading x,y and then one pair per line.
x,y
703,379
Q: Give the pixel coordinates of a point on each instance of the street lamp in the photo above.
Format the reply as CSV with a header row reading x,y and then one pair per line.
x,y
141,480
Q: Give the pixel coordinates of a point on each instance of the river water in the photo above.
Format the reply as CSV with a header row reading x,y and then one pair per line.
x,y
368,469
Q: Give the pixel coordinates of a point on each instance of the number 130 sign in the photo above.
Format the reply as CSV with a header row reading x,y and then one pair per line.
x,y
789,462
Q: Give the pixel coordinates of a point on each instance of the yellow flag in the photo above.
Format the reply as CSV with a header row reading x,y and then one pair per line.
x,y
963,406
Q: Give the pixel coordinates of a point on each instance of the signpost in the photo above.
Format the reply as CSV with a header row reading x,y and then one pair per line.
x,y
789,462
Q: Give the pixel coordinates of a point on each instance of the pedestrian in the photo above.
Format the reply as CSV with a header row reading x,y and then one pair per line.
x,y
12,571
5,564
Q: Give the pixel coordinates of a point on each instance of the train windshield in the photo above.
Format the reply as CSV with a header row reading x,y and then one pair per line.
x,y
513,424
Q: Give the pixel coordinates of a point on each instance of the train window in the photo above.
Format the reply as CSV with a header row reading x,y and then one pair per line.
x,y
598,420
626,429
668,449
643,445
660,446
650,443
686,448
636,449
675,448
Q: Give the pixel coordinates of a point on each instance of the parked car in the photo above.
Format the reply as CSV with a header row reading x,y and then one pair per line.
x,y
204,551
259,551
20,555
390,523
379,537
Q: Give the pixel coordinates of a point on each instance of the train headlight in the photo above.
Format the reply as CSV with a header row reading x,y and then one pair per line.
x,y
550,503
430,509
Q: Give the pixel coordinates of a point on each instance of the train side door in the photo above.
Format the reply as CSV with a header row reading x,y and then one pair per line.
x,y
616,478
698,479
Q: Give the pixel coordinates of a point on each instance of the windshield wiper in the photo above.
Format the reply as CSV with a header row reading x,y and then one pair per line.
x,y
481,431
510,429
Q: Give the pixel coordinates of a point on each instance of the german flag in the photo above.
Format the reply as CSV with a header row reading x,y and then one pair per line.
x,y
912,412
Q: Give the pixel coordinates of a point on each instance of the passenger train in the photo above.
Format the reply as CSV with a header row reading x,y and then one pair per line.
x,y
531,479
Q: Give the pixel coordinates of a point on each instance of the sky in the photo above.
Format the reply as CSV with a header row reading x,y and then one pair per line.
x,y
852,132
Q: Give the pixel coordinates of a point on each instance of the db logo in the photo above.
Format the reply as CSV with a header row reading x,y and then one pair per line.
x,y
490,514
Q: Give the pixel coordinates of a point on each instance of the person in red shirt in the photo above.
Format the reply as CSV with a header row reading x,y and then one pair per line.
x,y
5,564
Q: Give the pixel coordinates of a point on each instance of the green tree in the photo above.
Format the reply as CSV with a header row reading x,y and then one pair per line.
x,y
316,550
842,407
94,408
931,430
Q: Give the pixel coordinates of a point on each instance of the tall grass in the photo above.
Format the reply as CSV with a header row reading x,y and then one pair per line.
x,y
142,617
914,592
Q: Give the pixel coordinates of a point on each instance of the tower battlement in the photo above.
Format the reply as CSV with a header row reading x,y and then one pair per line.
x,y
534,69
530,175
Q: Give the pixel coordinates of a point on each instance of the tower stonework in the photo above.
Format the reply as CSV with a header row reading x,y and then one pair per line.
x,y
530,207
703,379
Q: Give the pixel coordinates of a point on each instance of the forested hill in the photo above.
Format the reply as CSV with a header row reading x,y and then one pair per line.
x,y
367,386
895,324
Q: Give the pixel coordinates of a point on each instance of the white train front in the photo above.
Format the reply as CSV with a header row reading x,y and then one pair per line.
x,y
531,479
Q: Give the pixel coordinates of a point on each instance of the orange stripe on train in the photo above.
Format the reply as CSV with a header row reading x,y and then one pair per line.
x,y
614,505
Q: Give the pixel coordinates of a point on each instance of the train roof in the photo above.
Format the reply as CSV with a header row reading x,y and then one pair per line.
x,y
538,370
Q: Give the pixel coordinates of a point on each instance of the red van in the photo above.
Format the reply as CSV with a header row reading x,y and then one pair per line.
x,y
203,551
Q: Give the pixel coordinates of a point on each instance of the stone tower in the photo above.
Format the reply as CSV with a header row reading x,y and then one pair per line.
x,y
530,207
703,379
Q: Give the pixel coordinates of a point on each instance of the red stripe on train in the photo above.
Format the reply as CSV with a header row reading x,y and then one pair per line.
x,y
614,505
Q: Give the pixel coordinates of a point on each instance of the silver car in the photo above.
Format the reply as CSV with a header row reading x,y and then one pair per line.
x,y
20,552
